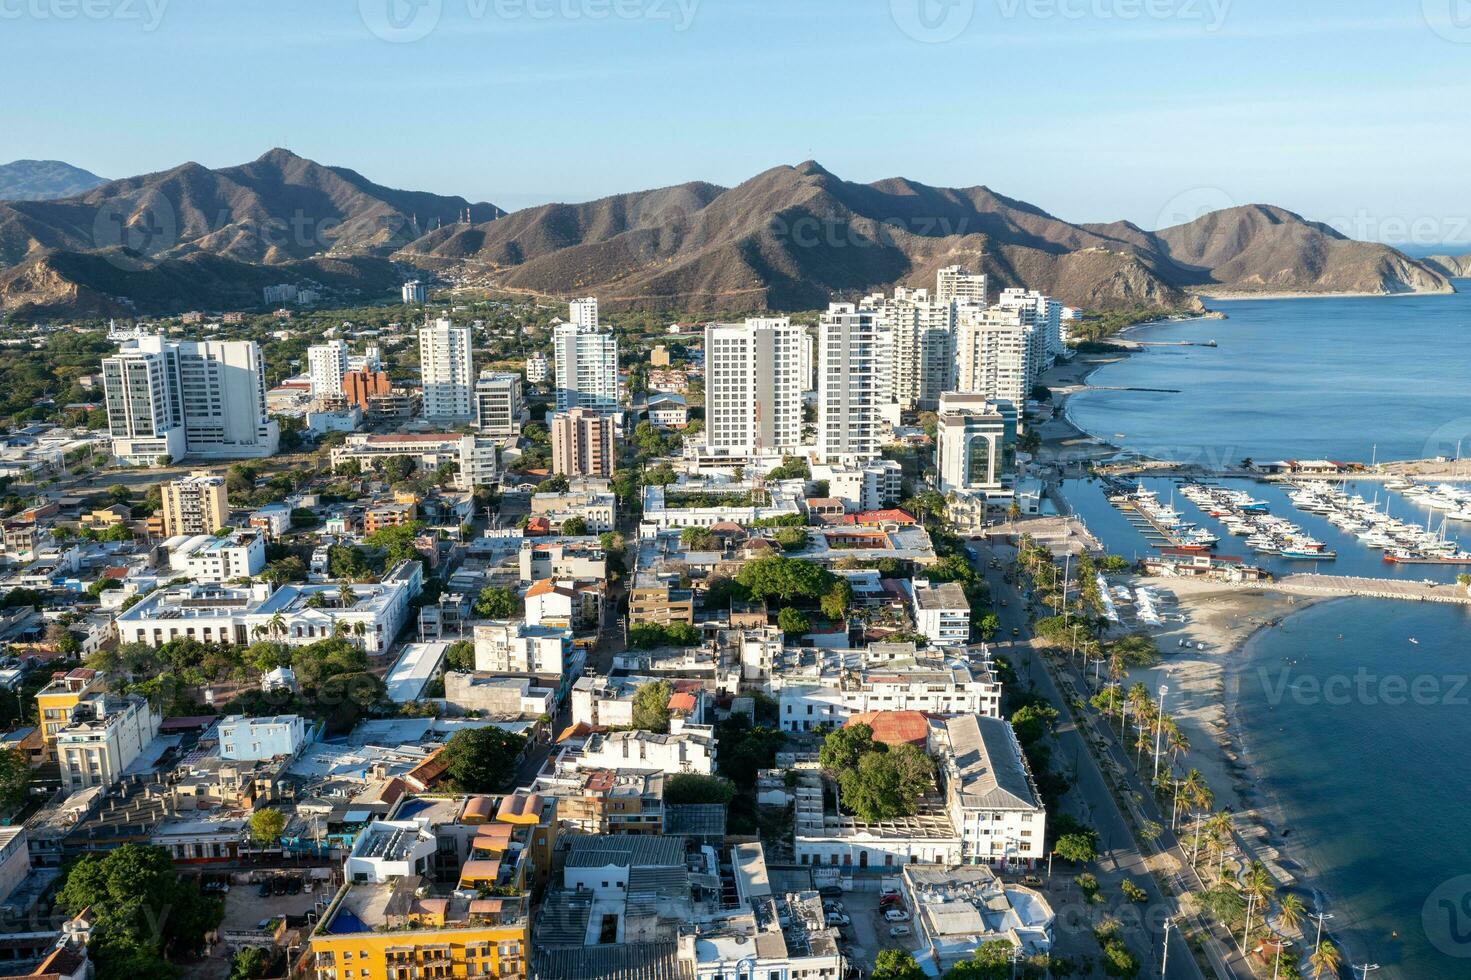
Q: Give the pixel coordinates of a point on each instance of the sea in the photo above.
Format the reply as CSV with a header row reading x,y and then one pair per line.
x,y
1355,712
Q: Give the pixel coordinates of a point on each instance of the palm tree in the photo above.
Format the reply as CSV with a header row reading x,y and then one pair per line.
x,y
346,598
277,624
260,631
1290,912
360,630
1326,959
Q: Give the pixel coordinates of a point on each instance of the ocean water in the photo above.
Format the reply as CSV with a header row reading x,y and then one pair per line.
x,y
1295,379
1359,735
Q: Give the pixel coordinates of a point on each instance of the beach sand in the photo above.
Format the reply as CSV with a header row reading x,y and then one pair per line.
x,y
1223,617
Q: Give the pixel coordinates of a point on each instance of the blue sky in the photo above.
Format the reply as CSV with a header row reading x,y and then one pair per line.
x,y
1151,110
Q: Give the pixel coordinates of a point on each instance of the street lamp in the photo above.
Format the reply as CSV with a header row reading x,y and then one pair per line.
x,y
1096,661
1164,960
1368,968
1159,727
1320,916
1282,941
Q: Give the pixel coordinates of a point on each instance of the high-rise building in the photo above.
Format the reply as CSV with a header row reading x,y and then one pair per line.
x,y
358,387
587,366
1046,318
177,397
917,338
413,293
954,284
582,443
326,364
848,384
447,372
499,407
583,312
975,442
197,504
995,351
754,385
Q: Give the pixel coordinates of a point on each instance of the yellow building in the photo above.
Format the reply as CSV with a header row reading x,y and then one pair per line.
x,y
385,931
197,504
56,701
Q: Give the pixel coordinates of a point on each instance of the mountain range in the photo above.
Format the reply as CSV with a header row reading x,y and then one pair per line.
x,y
789,238
44,180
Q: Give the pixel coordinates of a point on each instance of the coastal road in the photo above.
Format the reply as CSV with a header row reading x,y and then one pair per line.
x,y
1089,799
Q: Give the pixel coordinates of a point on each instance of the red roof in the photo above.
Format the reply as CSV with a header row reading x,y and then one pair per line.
x,y
894,727
891,516
682,702
538,525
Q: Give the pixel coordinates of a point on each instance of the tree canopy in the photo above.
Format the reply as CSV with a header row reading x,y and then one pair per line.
x,y
482,760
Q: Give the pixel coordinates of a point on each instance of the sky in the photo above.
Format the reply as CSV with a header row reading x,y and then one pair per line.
x,y
1353,112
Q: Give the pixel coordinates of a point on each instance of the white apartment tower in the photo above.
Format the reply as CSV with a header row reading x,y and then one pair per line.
x,y
955,285
584,312
446,370
185,397
326,364
995,353
1046,318
587,365
499,407
753,389
918,335
849,386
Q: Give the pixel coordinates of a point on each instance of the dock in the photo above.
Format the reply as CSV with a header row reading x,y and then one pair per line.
x,y
1147,525
1371,588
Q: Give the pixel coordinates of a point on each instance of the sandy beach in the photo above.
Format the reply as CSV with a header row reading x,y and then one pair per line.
x,y
1222,617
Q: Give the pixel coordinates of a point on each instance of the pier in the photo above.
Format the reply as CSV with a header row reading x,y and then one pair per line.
x,y
1146,524
1371,588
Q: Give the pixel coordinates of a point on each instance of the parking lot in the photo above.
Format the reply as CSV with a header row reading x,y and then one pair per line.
x,y
869,930
245,908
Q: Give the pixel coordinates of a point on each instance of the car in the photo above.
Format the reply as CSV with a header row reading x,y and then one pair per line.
x,y
293,885
889,890
1003,602
896,931
888,902
264,891
1015,631
832,906
830,891
278,886
1032,881
896,915
265,924
837,919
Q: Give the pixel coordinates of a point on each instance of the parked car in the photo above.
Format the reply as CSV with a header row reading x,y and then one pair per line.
x,y
837,919
896,931
896,915
830,891
264,891
888,901
1015,631
1032,881
293,885
833,906
886,890
278,886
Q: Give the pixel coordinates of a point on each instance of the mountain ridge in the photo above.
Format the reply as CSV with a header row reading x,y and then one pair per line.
x,y
44,180
788,238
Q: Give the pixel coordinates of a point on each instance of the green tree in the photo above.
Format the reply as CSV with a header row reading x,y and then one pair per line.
x,y
896,964
691,787
574,527
990,961
836,600
496,602
460,656
793,622
15,779
1079,848
651,706
841,749
250,963
267,825
482,760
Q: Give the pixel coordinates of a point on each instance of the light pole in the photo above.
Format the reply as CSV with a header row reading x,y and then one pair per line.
x,y
1016,954
1320,916
1282,942
1367,969
1159,727
1164,960
1096,662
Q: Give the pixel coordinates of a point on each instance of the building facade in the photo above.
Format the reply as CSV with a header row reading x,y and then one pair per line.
x,y
197,504
171,398
753,389
326,365
500,409
582,443
587,366
446,367
848,385
975,443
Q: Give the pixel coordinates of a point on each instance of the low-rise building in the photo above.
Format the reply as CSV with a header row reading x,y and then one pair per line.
x,y
210,558
258,739
933,688
941,612
574,559
989,792
597,507
106,732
